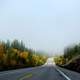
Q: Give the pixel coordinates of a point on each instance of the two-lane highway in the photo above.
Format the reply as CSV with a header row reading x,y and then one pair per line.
x,y
46,72
40,73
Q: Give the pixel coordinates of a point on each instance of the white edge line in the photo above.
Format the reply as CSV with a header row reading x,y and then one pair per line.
x,y
63,74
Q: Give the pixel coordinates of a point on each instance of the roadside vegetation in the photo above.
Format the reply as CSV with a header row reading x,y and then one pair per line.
x,y
70,59
15,55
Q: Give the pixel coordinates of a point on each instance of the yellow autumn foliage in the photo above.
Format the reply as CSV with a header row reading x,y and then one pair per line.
x,y
2,51
13,62
24,54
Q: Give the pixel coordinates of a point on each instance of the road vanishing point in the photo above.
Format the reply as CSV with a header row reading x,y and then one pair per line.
x,y
48,71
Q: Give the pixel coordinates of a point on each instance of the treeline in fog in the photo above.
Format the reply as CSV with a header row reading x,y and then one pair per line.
x,y
15,55
70,59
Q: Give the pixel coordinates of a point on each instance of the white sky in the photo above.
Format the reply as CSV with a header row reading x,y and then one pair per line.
x,y
47,25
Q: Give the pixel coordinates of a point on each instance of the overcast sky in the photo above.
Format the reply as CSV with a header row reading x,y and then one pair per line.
x,y
47,25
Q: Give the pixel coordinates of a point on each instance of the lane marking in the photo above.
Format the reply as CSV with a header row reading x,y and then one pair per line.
x,y
63,74
30,75
26,76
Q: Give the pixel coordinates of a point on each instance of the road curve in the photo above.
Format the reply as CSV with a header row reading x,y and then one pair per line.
x,y
38,73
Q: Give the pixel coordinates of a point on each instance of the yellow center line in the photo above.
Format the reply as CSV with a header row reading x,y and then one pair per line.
x,y
26,76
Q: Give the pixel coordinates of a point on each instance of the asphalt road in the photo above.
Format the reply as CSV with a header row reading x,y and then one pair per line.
x,y
49,71
39,73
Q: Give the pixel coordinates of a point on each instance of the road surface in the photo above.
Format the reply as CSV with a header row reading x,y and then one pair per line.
x,y
45,72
